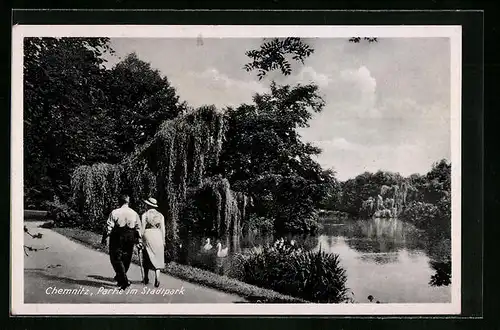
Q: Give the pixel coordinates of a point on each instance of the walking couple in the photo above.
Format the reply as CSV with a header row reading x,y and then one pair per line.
x,y
125,229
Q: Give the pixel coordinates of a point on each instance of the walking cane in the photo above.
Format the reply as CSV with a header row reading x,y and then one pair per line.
x,y
140,262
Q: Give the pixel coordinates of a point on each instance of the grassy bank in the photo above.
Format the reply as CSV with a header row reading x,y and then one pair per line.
x,y
223,283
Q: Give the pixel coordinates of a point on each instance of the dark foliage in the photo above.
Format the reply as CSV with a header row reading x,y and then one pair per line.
x,y
359,39
140,99
442,275
78,112
431,209
272,55
264,157
313,276
64,124
63,215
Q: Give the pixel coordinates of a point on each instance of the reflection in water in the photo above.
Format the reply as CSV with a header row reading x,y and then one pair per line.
x,y
384,258
380,258
442,277
377,235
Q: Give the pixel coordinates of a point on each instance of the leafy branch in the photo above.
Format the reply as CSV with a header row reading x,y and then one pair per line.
x,y
271,56
357,40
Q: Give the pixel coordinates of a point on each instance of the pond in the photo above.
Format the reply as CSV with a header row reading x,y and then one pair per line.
x,y
386,258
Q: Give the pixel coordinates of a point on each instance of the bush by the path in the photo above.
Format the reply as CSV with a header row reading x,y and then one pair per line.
x,y
62,214
314,276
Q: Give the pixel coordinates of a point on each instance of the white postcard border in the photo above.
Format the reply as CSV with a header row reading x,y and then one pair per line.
x,y
18,307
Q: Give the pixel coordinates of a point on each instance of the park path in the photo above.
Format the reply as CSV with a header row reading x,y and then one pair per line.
x,y
68,272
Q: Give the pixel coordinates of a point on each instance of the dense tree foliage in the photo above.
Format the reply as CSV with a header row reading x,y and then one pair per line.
x,y
431,209
78,112
357,190
264,156
140,100
64,121
263,138
427,198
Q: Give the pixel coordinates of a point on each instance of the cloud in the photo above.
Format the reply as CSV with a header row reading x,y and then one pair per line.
x,y
349,93
360,80
308,75
213,87
387,104
357,131
405,136
218,78
338,143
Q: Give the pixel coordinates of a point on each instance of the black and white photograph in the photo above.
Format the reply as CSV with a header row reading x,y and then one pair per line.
x,y
236,170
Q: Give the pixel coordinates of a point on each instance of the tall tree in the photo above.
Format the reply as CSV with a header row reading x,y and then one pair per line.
x,y
364,186
141,99
63,117
264,156
263,138
77,112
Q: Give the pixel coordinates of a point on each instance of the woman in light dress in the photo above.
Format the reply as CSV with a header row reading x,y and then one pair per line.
x,y
153,235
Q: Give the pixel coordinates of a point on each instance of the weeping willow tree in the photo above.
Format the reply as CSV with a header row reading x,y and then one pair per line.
x,y
94,191
215,211
390,201
176,160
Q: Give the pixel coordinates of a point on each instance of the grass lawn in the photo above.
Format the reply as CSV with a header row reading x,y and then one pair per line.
x,y
223,283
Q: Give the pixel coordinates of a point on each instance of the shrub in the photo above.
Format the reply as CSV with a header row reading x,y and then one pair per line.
x,y
419,213
204,260
307,224
288,200
259,224
313,276
62,214
435,219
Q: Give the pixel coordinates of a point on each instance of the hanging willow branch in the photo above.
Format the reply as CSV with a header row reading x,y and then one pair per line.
x,y
217,211
175,160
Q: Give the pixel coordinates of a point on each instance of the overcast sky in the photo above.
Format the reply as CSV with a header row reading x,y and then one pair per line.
x,y
387,103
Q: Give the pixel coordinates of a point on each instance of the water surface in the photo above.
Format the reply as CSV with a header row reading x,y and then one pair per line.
x,y
386,258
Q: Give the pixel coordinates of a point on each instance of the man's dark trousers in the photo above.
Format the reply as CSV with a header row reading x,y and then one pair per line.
x,y
121,247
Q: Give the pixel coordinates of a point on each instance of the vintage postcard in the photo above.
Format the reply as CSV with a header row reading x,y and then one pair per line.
x,y
236,170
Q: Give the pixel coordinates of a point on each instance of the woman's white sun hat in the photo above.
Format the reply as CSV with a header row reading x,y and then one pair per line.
x,y
151,201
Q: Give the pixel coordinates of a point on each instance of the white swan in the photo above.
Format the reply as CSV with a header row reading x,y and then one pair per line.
x,y
207,245
220,251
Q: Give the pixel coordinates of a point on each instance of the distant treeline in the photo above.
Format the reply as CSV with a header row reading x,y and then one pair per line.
x,y
424,200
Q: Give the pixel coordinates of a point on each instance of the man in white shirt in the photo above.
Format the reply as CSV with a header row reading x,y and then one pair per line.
x,y
124,229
